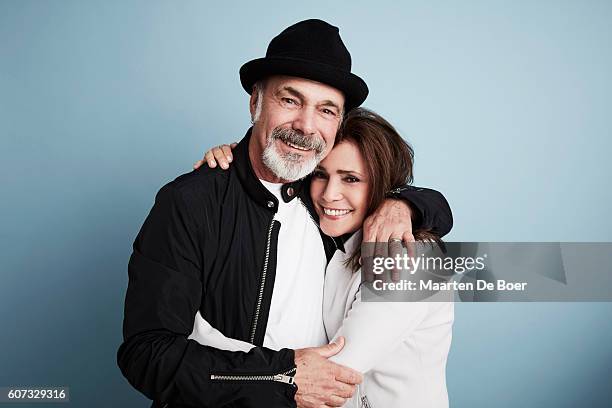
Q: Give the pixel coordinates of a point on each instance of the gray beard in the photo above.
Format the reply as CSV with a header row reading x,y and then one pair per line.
x,y
291,166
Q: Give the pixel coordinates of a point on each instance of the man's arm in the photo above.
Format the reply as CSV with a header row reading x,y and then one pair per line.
x,y
163,295
207,335
429,209
407,209
309,386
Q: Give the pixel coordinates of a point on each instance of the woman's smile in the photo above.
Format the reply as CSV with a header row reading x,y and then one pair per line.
x,y
335,213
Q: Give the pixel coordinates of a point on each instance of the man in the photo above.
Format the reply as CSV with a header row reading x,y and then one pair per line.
x,y
242,247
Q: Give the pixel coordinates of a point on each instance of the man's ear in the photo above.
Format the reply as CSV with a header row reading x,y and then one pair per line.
x,y
253,102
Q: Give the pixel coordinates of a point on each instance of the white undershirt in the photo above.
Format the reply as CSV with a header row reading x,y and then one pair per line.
x,y
296,311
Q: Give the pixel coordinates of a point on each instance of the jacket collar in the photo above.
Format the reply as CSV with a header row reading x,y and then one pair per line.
x,y
257,191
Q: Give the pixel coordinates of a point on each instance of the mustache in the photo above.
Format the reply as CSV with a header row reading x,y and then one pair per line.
x,y
300,139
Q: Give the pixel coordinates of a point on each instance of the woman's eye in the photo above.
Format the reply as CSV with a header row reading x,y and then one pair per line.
x,y
318,174
351,179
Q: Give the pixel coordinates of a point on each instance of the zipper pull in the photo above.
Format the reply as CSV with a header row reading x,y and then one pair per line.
x,y
283,378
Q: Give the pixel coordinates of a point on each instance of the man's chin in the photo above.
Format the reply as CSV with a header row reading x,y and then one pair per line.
x,y
292,171
288,165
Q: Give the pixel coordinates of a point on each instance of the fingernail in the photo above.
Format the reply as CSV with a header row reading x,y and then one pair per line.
x,y
224,165
229,158
211,163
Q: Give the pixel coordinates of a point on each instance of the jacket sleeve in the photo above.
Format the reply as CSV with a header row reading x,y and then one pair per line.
x,y
207,335
164,293
432,209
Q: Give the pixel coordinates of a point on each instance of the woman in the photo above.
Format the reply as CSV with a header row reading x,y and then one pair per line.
x,y
400,347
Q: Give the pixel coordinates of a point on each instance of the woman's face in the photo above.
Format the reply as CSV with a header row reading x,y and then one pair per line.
x,y
340,190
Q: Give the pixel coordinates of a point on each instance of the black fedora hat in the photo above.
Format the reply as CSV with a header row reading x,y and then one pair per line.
x,y
310,49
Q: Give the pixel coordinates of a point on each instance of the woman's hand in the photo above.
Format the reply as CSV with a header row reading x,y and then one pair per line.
x,y
221,154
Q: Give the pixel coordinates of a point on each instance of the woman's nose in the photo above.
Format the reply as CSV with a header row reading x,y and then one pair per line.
x,y
333,190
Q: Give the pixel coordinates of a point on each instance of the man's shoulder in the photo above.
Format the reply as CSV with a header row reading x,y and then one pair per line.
x,y
198,185
202,178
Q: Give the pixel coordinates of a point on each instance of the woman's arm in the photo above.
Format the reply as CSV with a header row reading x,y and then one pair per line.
x,y
372,330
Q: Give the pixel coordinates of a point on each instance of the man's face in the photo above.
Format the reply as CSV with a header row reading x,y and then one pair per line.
x,y
295,127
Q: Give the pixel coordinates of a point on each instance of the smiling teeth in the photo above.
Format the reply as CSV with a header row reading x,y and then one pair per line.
x,y
329,211
296,146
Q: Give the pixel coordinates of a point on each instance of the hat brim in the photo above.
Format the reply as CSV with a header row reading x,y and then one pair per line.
x,y
354,88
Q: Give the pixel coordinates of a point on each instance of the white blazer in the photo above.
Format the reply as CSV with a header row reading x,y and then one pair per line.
x,y
400,347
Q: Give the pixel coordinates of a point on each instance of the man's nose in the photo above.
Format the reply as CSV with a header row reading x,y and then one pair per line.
x,y
305,121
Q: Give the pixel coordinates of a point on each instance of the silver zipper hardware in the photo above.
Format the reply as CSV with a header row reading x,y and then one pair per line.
x,y
263,284
397,190
365,403
282,377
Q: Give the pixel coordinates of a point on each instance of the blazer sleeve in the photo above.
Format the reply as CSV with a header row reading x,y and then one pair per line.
x,y
373,330
432,211
164,293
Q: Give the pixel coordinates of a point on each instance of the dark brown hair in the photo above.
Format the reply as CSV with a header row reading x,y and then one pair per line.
x,y
388,160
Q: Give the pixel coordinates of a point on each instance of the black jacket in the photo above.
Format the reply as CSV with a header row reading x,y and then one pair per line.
x,y
209,244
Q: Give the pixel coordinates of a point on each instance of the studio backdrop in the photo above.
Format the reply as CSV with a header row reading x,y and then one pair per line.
x,y
507,105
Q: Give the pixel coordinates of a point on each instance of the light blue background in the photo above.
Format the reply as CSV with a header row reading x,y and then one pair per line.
x,y
507,105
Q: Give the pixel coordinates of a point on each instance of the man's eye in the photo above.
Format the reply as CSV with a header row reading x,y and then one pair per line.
x,y
289,101
329,112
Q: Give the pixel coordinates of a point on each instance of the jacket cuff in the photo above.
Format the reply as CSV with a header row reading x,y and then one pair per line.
x,y
430,209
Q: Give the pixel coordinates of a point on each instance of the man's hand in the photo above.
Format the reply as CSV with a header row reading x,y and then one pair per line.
x,y
392,219
320,382
384,232
221,154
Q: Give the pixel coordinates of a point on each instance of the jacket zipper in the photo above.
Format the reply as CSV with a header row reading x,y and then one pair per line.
x,y
263,284
283,377
365,403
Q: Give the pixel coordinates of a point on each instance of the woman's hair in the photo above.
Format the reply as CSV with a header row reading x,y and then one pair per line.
x,y
388,160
